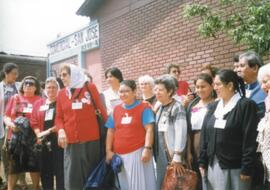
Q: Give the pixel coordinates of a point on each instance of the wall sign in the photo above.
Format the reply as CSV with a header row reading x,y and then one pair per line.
x,y
87,38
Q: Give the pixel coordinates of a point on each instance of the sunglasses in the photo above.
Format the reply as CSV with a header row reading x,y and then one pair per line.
x,y
63,74
29,83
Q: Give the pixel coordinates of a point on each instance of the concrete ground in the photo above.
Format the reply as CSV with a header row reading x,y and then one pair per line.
x,y
18,187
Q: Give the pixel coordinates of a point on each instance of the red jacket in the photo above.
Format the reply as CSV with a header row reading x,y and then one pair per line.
x,y
182,88
80,125
16,105
37,119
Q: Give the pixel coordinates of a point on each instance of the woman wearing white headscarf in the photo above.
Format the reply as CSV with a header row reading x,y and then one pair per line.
x,y
78,129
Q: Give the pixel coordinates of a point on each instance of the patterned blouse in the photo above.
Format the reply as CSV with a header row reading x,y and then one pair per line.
x,y
264,138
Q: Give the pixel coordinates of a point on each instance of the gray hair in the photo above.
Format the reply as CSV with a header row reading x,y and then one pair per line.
x,y
263,71
170,83
147,79
252,58
53,80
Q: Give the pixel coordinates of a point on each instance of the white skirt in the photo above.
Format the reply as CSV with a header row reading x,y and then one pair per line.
x,y
136,175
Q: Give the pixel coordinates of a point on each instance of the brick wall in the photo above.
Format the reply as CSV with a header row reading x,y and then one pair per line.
x,y
144,40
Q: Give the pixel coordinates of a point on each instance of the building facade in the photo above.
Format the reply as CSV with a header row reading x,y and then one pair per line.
x,y
143,36
80,48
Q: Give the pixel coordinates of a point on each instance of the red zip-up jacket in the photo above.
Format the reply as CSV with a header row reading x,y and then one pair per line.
x,y
80,125
37,119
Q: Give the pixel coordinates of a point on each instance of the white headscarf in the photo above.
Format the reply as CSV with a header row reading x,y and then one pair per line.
x,y
77,78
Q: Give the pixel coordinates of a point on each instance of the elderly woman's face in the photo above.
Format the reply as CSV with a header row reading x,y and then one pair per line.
x,y
51,89
29,87
265,85
65,77
162,94
145,87
126,94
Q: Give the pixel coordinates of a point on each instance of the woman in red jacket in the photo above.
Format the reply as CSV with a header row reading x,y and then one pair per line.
x,y
77,125
42,121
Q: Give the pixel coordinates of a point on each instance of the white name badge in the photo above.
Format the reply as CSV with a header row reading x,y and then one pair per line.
x,y
77,106
27,110
163,122
49,114
9,89
44,107
220,123
163,127
126,120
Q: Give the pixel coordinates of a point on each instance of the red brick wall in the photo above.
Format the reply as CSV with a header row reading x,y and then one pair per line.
x,y
144,40
94,66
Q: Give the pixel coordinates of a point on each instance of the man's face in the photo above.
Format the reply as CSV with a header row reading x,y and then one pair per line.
x,y
175,72
244,71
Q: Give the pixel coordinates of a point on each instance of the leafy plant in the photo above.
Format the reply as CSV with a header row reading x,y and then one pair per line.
x,y
246,21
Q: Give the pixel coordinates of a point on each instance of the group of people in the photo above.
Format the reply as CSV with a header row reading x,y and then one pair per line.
x,y
220,130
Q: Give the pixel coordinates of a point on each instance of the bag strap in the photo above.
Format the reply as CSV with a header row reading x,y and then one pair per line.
x,y
98,114
93,101
164,139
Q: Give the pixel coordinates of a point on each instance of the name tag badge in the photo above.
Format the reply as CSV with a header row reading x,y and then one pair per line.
x,y
28,109
162,127
77,105
220,123
49,114
44,107
9,89
126,120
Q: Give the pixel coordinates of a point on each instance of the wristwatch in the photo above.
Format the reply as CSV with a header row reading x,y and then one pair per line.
x,y
148,147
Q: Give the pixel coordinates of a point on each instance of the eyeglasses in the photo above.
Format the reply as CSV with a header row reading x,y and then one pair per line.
x,y
124,91
29,83
144,83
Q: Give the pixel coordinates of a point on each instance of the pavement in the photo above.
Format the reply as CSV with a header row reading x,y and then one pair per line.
x,y
19,187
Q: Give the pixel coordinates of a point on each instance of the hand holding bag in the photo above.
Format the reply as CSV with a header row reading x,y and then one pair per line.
x,y
173,181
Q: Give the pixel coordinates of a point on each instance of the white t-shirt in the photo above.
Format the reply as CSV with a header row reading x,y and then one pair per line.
x,y
111,99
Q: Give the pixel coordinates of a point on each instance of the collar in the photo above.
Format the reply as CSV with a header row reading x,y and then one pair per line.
x,y
113,92
252,86
222,110
134,104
